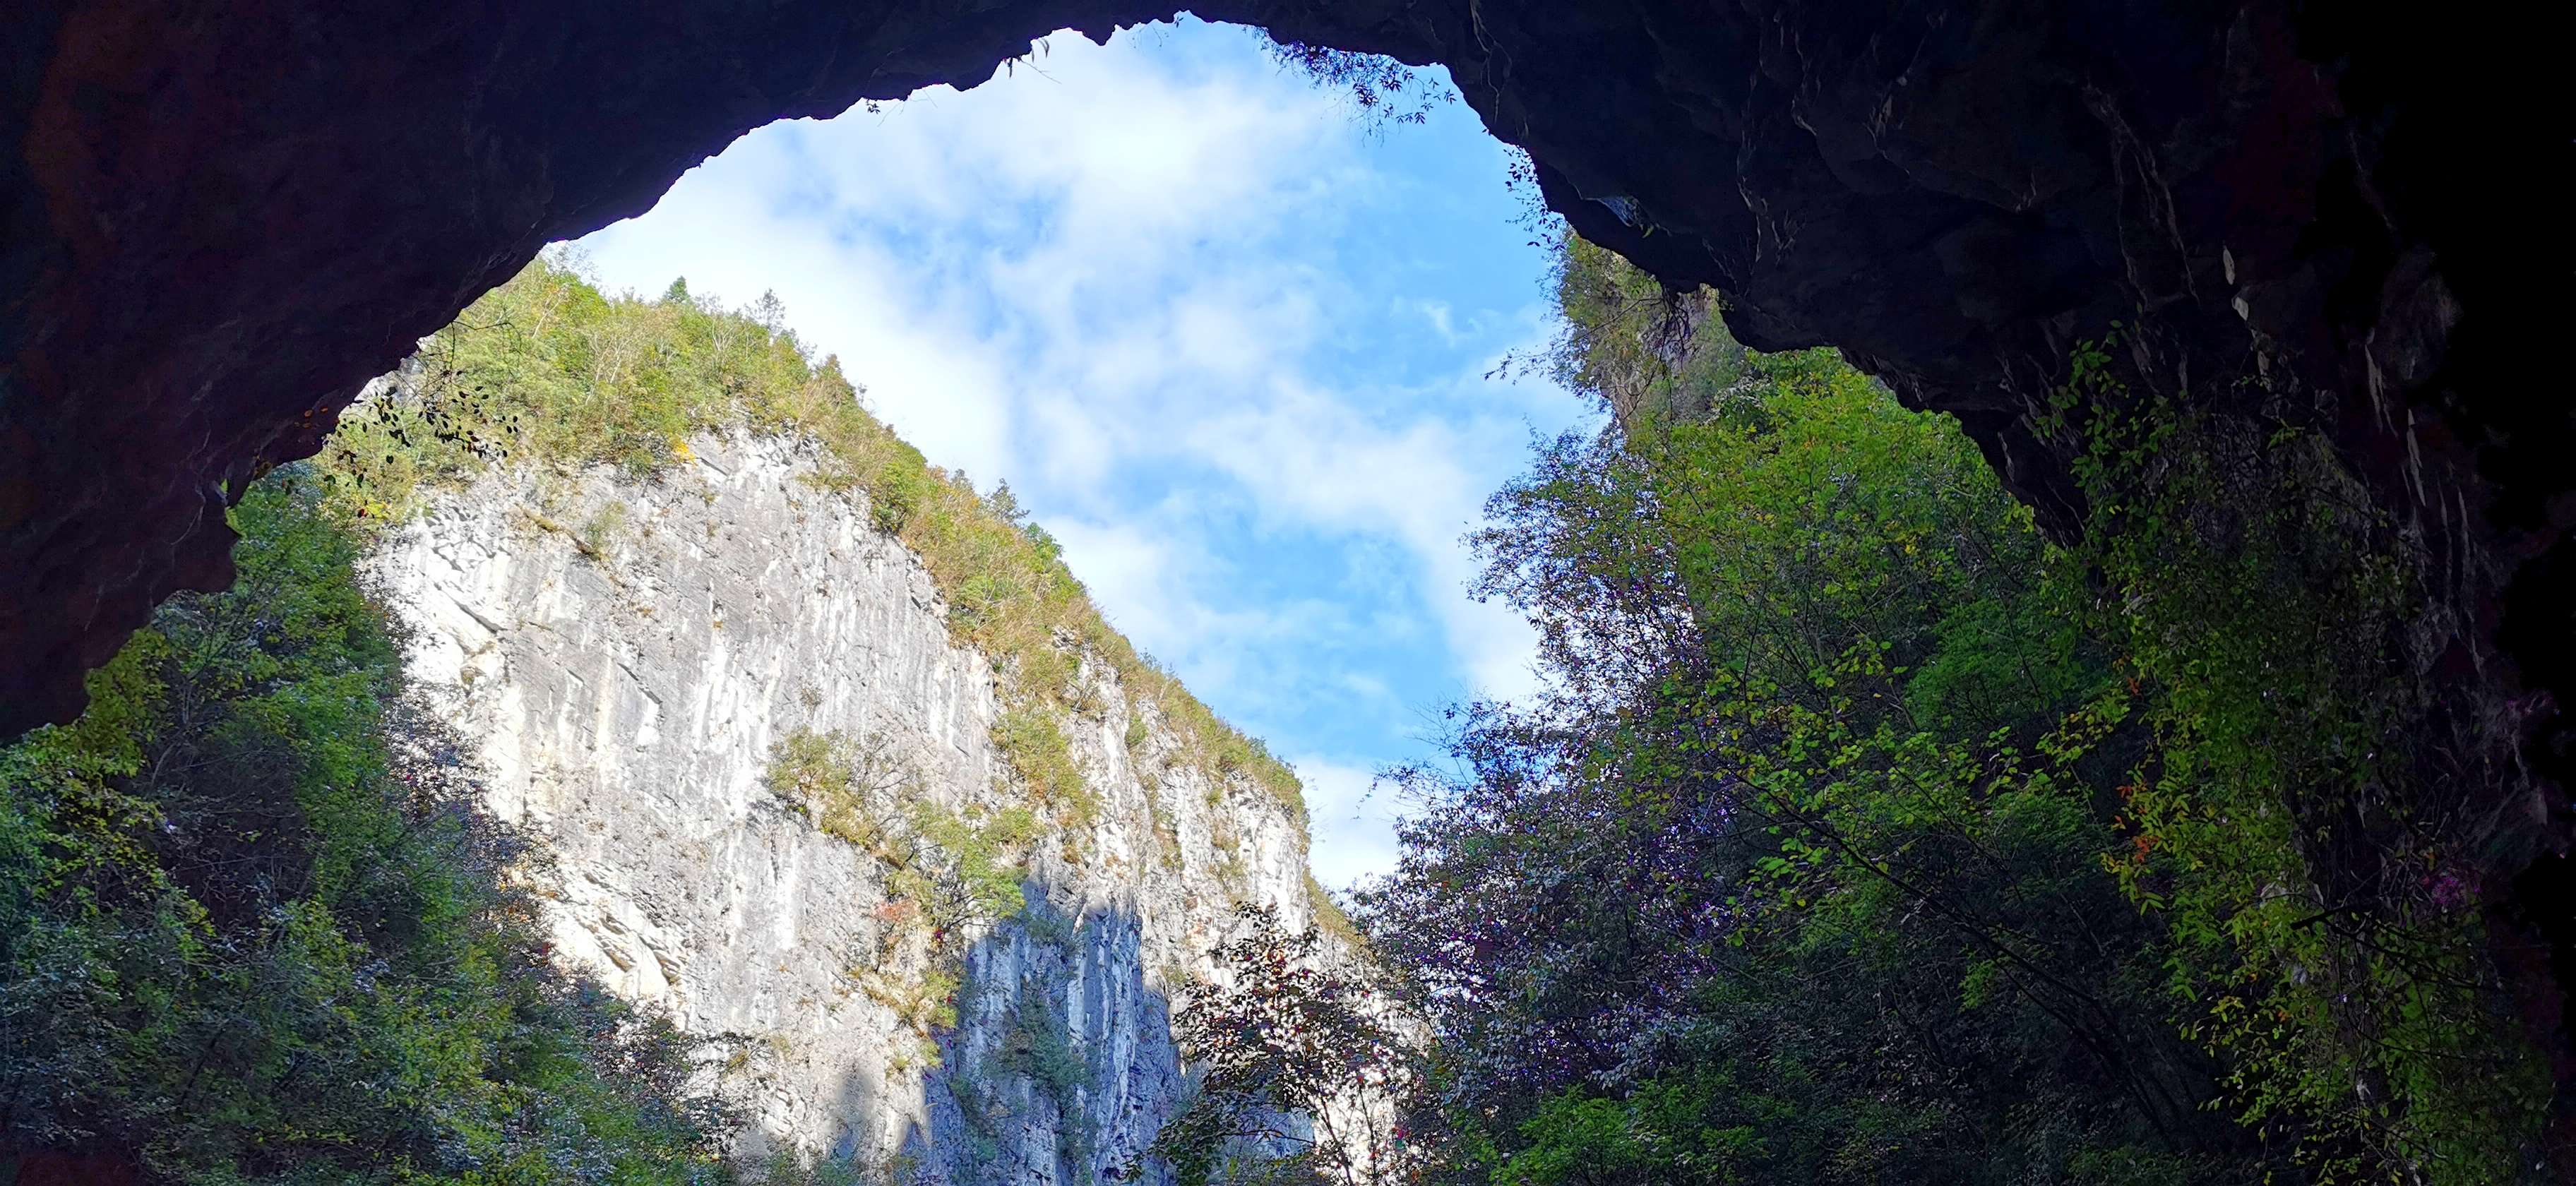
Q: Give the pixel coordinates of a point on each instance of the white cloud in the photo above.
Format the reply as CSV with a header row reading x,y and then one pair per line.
x,y
1353,828
1438,315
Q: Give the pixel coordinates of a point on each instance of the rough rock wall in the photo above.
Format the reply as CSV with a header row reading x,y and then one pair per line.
x,y
628,653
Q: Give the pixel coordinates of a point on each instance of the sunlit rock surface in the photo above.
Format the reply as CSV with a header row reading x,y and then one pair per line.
x,y
627,653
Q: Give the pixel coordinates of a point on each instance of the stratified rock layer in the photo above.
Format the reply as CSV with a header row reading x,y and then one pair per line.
x,y
626,654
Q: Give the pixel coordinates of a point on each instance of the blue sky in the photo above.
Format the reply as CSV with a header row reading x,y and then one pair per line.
x,y
1228,341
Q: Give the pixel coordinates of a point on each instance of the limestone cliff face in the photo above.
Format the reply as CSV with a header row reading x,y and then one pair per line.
x,y
629,653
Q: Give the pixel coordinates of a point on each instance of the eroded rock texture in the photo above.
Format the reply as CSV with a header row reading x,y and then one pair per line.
x,y
625,655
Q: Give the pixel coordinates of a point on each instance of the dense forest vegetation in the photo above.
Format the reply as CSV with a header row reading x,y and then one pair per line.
x,y
1862,835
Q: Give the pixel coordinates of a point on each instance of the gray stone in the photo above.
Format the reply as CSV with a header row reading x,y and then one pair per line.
x,y
628,652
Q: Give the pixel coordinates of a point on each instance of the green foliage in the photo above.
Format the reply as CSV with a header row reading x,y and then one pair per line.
x,y
548,370
1861,836
835,780
1035,748
1951,873
984,1114
1645,352
1167,839
786,1167
1794,872
1330,918
926,1005
1040,1047
934,1000
255,926
805,765
1048,926
599,533
1299,1076
1661,1133
2299,821
968,870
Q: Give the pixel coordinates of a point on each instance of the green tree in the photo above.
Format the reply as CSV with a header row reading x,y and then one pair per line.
x,y
1298,1073
1794,871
